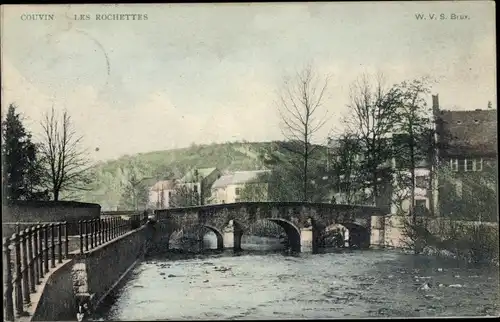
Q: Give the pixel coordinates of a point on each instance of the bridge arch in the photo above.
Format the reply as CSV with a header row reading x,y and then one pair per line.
x,y
359,236
218,234
292,232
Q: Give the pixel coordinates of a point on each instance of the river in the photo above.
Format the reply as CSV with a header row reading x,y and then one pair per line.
x,y
276,285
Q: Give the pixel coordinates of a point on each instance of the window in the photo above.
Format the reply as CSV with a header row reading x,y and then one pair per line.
x,y
237,191
421,182
169,194
468,165
454,164
420,206
195,188
477,165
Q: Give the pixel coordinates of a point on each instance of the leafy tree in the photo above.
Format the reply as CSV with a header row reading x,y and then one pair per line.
x,y
255,191
184,196
298,106
21,167
285,180
411,147
135,193
67,167
345,168
373,117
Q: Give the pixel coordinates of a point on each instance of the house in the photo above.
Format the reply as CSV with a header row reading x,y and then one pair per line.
x,y
467,148
229,188
199,182
160,194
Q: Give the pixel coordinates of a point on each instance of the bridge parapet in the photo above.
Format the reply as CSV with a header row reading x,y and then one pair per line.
x,y
298,219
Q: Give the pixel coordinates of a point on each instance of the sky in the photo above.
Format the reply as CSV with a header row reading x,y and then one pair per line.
x,y
204,73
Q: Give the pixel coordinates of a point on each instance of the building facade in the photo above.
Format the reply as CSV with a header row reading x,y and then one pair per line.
x,y
161,194
241,186
199,183
467,162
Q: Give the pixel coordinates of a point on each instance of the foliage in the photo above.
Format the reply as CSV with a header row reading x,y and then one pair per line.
x,y
286,177
136,193
464,240
184,196
413,145
373,118
21,170
345,168
471,195
460,229
256,191
67,167
110,177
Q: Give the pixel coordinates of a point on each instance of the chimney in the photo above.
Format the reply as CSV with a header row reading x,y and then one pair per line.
x,y
435,104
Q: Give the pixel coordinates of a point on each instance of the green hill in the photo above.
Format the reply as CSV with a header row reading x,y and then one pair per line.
x,y
111,177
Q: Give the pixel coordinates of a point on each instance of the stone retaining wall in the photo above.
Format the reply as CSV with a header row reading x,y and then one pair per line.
x,y
96,273
56,300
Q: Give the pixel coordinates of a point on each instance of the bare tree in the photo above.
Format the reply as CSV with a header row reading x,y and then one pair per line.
x,y
373,117
67,167
298,105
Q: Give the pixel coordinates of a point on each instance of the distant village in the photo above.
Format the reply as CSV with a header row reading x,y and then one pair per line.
x,y
469,148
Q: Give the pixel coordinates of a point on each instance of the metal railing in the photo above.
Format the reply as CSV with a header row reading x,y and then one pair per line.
x,y
95,232
27,257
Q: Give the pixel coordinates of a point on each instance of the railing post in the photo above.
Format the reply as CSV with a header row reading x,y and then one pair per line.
x,y
18,228
40,250
8,304
96,231
36,257
52,246
108,229
91,233
46,248
113,227
66,240
80,231
31,261
87,225
59,243
18,290
100,239
24,273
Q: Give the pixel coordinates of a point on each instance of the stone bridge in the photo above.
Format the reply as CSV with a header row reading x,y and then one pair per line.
x,y
304,223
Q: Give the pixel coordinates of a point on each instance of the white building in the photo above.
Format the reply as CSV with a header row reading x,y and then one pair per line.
x,y
228,188
160,194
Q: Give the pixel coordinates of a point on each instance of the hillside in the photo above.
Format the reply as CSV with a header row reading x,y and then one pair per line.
x,y
111,177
